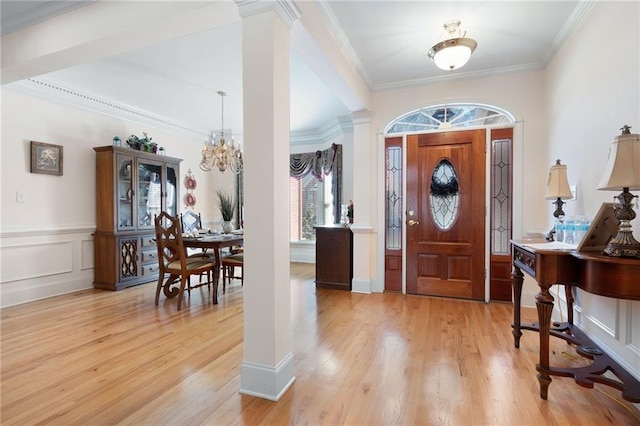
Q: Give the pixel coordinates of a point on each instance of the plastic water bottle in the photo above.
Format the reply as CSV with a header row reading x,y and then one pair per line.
x,y
560,229
582,227
570,231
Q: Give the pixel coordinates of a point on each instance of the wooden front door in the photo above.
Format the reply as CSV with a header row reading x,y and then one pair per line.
x,y
446,214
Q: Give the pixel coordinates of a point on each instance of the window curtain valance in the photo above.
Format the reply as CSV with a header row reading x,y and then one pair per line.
x,y
319,164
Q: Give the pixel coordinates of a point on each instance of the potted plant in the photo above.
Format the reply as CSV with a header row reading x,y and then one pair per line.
x,y
144,143
227,207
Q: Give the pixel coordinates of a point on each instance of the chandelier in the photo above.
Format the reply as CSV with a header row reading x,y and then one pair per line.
x,y
221,155
455,51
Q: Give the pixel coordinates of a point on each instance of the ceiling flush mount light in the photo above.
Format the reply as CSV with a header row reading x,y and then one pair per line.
x,y
221,155
455,50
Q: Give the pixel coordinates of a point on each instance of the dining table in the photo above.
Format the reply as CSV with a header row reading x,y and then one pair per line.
x,y
215,242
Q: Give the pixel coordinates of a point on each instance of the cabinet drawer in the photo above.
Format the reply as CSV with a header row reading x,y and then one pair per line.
x,y
150,269
148,241
149,256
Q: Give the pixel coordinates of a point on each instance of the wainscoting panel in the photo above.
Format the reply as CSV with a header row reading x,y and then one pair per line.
x,y
36,260
633,330
616,330
86,254
44,263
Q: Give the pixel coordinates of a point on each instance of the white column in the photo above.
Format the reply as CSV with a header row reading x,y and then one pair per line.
x,y
267,366
364,249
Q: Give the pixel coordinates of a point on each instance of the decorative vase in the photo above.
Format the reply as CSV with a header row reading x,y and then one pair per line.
x,y
227,227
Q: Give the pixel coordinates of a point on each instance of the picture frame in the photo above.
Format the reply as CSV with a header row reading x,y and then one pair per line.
x,y
46,158
603,228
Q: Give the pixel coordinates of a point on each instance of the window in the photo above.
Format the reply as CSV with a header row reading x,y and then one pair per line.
x,y
311,204
446,116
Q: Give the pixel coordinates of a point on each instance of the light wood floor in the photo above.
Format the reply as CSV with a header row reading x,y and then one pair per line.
x,y
102,358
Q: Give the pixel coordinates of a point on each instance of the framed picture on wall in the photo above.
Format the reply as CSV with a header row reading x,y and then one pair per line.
x,y
46,158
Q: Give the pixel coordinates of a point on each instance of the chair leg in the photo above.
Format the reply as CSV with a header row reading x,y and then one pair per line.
x,y
183,281
216,278
158,287
224,278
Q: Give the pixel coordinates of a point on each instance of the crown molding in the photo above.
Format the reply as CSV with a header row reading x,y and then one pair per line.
x,y
335,28
39,12
324,134
362,117
569,26
285,9
457,76
76,97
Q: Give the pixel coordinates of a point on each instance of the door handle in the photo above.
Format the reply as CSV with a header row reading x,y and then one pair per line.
x,y
412,222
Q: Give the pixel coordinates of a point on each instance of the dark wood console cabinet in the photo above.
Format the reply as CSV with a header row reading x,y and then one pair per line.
x,y
334,257
592,272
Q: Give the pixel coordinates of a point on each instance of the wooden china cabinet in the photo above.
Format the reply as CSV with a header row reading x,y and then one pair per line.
x,y
131,187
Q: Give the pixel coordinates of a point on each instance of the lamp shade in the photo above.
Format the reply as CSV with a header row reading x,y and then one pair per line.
x,y
623,166
557,183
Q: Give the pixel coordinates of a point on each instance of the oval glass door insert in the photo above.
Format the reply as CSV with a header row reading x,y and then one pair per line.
x,y
444,195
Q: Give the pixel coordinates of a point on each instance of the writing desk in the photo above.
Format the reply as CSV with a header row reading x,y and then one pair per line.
x,y
592,272
215,243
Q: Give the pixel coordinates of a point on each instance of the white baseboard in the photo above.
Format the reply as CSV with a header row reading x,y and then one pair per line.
x,y
265,381
361,285
31,294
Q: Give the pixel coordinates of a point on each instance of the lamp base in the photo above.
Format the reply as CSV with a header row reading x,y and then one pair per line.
x,y
623,245
550,234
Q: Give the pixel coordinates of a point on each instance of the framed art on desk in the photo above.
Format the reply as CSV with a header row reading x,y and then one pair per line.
x,y
604,226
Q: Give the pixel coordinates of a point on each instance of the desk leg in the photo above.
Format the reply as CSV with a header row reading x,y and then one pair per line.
x,y
568,292
517,278
544,305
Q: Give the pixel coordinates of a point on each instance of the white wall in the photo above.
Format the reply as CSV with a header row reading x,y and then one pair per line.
x,y
50,234
592,88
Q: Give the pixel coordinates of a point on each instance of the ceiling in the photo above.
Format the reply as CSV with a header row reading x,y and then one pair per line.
x,y
385,40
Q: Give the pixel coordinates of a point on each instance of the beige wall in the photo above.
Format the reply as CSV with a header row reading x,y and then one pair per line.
x,y
47,247
592,88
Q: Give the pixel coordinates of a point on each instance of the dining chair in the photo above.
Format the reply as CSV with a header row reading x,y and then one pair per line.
x,y
229,263
173,259
192,223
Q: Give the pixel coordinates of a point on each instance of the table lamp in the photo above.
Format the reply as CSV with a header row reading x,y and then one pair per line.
x,y
557,189
623,173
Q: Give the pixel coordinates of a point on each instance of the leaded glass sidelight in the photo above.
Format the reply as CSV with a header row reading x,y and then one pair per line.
x,y
501,196
444,195
393,204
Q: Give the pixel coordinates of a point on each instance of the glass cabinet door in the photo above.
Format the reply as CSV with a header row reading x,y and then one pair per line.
x,y
125,204
149,192
172,190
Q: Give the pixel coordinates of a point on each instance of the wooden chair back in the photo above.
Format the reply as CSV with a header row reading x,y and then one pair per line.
x,y
169,241
191,221
173,258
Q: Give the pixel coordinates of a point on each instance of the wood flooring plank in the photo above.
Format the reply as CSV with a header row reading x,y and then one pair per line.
x,y
100,357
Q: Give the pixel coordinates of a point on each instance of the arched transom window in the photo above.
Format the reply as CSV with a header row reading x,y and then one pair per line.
x,y
446,116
